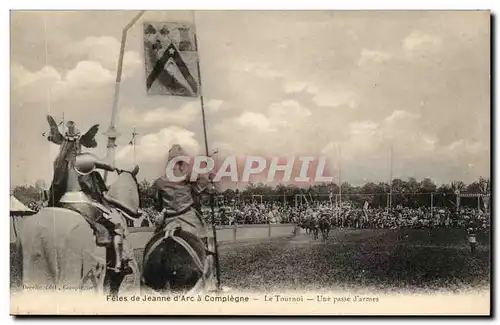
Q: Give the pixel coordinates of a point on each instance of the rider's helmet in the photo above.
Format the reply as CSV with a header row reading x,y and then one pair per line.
x,y
180,166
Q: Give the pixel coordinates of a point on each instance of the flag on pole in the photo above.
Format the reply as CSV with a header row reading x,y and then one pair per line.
x,y
171,59
486,200
132,140
173,69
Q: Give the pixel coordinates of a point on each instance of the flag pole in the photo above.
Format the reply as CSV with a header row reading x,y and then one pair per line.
x,y
133,143
340,181
112,133
390,181
212,198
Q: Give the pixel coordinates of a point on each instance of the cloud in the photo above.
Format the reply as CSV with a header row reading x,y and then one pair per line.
x,y
400,122
254,121
419,44
364,137
287,113
279,116
216,105
88,74
395,61
259,69
85,76
183,116
334,98
367,139
372,56
468,147
21,77
278,130
154,147
291,87
294,86
105,50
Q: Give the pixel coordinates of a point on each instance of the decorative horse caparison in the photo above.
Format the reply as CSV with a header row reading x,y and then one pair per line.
x,y
79,240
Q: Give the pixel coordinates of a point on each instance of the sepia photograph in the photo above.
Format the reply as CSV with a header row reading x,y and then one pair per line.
x,y
271,162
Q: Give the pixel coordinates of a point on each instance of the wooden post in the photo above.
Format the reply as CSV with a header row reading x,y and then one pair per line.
x,y
268,229
235,227
112,133
432,204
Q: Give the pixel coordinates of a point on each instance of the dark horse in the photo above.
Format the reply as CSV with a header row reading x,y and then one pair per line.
x,y
175,260
310,224
63,245
324,225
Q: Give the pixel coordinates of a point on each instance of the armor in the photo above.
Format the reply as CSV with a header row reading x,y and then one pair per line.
x,y
78,187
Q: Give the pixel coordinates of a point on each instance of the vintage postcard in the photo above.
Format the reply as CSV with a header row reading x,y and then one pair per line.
x,y
250,163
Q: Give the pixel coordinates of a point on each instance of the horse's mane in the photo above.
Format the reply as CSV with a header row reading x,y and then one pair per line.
x,y
93,185
61,169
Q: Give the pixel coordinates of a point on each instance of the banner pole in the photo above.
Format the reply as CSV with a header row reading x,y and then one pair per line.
x,y
112,133
214,231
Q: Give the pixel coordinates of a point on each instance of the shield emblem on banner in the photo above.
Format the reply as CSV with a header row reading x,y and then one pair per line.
x,y
171,59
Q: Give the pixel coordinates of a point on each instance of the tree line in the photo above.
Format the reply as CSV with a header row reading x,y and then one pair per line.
x,y
410,192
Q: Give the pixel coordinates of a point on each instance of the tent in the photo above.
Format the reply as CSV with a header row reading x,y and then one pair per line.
x,y
17,208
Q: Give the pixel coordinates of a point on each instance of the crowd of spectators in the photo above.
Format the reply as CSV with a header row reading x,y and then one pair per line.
x,y
346,215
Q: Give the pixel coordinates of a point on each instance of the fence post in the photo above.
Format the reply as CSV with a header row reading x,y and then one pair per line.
x,y
269,230
235,226
432,204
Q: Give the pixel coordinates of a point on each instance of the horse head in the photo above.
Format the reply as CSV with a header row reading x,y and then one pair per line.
x,y
65,178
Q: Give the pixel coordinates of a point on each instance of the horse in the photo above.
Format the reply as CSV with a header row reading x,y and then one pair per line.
x,y
60,247
175,261
324,225
310,224
301,222
314,227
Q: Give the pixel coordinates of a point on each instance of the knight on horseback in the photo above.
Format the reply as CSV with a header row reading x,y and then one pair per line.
x,y
79,198
180,222
87,194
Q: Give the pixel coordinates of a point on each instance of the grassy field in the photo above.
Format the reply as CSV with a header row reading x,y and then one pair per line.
x,y
402,259
379,259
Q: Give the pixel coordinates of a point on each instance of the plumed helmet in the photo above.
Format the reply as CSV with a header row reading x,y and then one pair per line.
x,y
176,151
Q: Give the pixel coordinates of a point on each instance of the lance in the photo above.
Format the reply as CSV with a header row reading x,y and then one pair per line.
x,y
211,193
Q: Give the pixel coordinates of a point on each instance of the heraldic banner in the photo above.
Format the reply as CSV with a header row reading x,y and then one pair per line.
x,y
171,59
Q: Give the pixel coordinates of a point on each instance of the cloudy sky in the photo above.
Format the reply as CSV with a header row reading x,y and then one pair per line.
x,y
274,83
